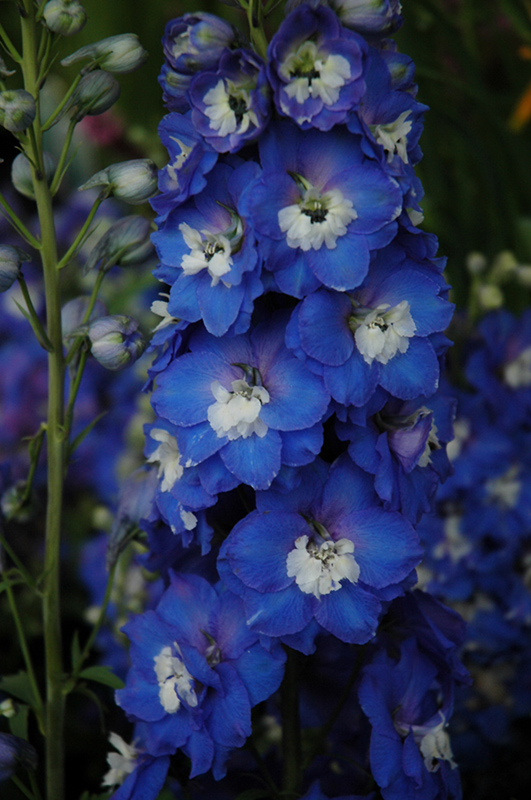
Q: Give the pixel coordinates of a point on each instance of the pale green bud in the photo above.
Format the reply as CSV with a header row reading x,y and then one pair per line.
x,y
126,243
116,341
523,275
21,174
11,259
122,54
131,181
476,263
66,17
96,92
503,267
17,110
490,297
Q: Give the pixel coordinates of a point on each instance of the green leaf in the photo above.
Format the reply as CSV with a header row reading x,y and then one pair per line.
x,y
85,432
18,724
76,651
19,686
102,675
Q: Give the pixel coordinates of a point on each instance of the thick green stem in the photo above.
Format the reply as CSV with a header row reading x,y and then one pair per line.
x,y
291,729
54,718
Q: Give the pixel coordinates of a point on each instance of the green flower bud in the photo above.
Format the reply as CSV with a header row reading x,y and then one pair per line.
x,y
11,259
490,297
17,110
116,341
124,244
96,92
476,263
132,181
66,17
21,174
122,53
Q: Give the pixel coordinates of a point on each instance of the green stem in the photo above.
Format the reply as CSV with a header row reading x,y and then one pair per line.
x,y
51,119
78,241
291,729
25,653
54,719
72,353
16,561
24,789
256,29
34,455
60,171
74,389
9,46
18,224
40,333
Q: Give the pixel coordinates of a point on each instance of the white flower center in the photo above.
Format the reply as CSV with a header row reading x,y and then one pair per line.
x,y
173,168
121,763
210,251
504,491
517,373
393,136
319,569
316,218
228,108
382,332
236,413
176,685
433,742
309,73
167,454
160,308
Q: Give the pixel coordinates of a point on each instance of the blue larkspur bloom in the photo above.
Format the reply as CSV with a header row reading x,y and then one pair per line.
x,y
191,158
231,106
377,335
325,553
316,68
408,704
208,254
247,399
319,208
197,670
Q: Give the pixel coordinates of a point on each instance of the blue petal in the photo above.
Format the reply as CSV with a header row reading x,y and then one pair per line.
x,y
350,613
254,461
413,373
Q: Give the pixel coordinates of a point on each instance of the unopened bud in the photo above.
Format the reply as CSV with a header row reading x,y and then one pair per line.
x,y
116,341
131,181
15,753
4,71
11,259
124,244
503,267
14,504
122,54
476,263
73,314
66,17
96,92
8,708
17,110
523,275
490,297
21,175
370,17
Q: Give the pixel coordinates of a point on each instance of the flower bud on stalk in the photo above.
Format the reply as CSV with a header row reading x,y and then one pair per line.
x,y
17,110
96,92
73,312
4,71
15,753
124,244
116,341
65,17
11,259
122,54
21,174
132,181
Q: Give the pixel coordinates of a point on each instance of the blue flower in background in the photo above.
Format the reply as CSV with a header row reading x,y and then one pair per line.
x,y
316,68
197,672
319,208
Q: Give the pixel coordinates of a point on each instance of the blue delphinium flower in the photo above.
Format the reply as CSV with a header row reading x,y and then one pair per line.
x,y
248,399
319,208
316,68
408,705
197,672
15,754
378,335
191,158
231,106
325,552
208,254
